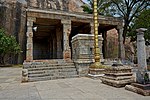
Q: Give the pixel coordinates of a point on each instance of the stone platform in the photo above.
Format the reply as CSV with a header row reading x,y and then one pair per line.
x,y
118,76
96,73
139,88
48,70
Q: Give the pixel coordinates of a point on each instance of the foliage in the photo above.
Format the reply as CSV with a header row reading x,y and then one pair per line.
x,y
8,45
142,21
127,9
103,6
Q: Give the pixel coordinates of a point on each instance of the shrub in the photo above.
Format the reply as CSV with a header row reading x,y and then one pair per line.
x,y
8,46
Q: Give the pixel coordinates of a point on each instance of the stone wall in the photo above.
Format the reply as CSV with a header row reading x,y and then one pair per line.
x,y
83,52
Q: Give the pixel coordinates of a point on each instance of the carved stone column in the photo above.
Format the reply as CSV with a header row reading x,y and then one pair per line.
x,y
59,40
121,51
92,27
29,34
66,33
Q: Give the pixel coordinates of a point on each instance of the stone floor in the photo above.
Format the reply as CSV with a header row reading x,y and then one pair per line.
x,y
83,88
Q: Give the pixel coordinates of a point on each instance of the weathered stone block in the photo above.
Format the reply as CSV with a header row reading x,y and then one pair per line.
x,y
118,76
24,75
83,52
139,88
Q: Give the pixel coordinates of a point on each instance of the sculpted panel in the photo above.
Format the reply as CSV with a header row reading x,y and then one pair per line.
x,y
66,5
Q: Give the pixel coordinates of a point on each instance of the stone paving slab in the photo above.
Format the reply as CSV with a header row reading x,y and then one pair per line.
x,y
83,88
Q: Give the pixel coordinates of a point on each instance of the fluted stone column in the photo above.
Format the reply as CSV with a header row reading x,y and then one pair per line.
x,y
66,33
121,51
29,34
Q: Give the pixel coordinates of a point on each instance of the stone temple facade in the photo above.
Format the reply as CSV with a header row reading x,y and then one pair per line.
x,y
49,29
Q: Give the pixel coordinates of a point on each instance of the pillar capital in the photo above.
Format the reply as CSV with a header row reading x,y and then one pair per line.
x,y
141,31
66,21
30,21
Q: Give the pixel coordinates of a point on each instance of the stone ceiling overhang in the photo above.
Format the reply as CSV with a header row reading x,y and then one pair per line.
x,y
74,16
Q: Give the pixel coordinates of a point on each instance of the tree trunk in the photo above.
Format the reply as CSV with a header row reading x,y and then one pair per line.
x,y
2,59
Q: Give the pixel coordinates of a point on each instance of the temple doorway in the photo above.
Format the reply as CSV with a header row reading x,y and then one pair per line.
x,y
47,39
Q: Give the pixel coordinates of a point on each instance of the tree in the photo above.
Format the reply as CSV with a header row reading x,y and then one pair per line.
x,y
103,6
142,21
8,46
128,10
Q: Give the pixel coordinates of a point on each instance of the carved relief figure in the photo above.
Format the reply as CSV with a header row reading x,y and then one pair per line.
x,y
53,4
65,4
41,3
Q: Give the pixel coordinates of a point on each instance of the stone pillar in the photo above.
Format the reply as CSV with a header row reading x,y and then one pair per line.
x,y
66,33
104,35
141,54
121,51
59,40
92,28
141,50
29,34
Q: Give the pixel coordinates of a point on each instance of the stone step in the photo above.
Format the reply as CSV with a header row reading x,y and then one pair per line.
x,y
116,83
48,70
48,65
118,78
53,74
118,74
32,79
51,71
51,68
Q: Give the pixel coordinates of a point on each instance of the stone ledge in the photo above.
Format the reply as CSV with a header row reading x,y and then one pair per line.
x,y
137,90
118,78
95,71
116,83
119,74
95,76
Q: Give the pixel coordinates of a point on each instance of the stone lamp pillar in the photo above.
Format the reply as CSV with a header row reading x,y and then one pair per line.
x,y
142,86
141,54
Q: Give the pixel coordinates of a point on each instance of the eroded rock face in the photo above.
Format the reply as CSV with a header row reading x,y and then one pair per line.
x,y
65,5
75,5
13,20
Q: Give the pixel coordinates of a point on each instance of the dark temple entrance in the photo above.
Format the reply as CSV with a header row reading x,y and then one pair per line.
x,y
47,41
